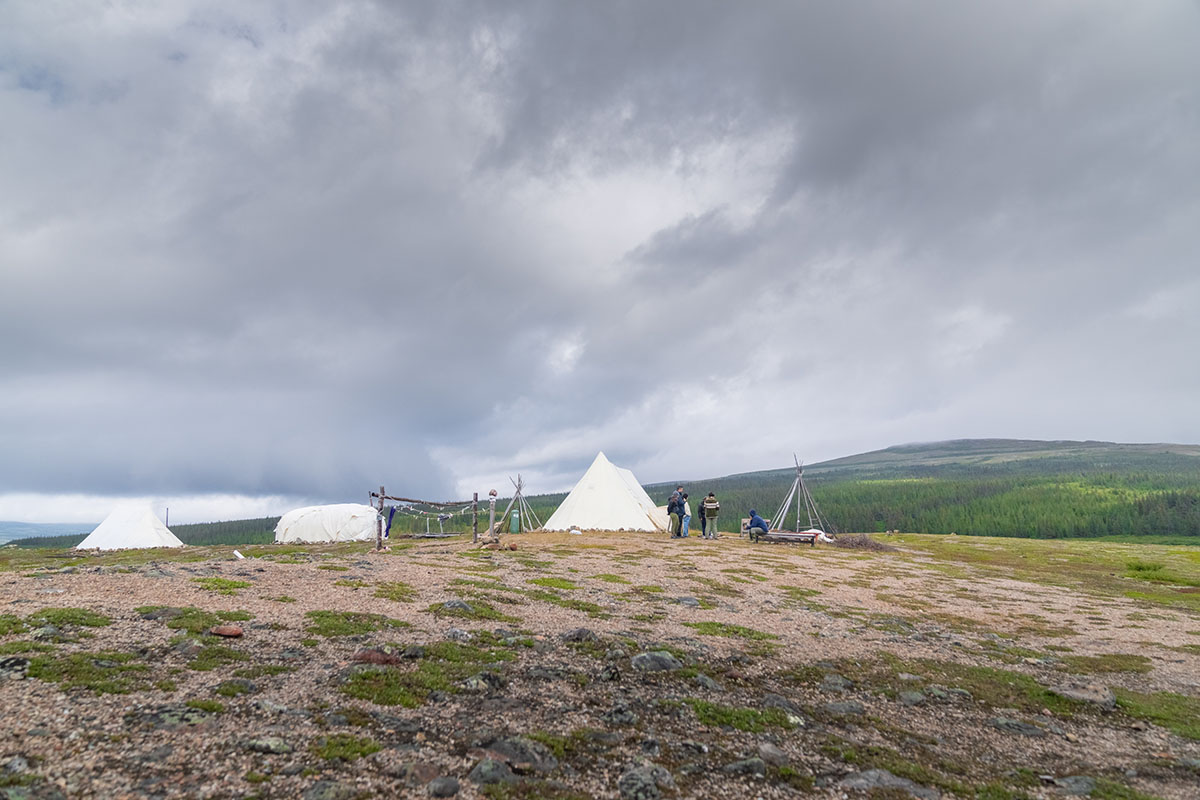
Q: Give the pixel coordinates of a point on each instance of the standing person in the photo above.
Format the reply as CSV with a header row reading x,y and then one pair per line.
x,y
686,522
674,507
757,526
709,510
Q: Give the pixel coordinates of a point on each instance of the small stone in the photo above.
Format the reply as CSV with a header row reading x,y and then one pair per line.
x,y
911,698
228,631
14,667
650,747
748,766
413,651
908,676
656,661
645,782
688,602
610,673
705,682
525,754
16,765
459,635
445,786
619,716
772,754
458,605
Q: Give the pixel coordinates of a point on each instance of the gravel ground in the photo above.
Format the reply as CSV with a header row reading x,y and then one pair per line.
x,y
801,615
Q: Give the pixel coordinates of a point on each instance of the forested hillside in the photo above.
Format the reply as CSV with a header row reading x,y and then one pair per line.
x,y
988,487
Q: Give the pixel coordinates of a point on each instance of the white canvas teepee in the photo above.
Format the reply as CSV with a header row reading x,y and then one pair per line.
x,y
343,522
607,498
130,526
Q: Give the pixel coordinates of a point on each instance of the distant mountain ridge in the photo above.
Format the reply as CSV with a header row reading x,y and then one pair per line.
x,y
23,530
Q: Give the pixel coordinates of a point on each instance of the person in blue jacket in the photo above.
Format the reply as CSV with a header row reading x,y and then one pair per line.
x,y
757,526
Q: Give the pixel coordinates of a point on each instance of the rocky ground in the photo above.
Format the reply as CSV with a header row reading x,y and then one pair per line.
x,y
606,666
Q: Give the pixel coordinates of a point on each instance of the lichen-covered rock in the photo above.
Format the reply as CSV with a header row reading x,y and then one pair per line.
x,y
656,661
882,779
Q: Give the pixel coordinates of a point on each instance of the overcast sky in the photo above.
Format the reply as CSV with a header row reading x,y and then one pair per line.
x,y
258,254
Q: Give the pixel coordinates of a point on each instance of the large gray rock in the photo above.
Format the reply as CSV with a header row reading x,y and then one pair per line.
x,y
748,766
580,635
645,782
656,661
489,771
1017,727
269,744
882,779
525,754
330,790
772,755
1076,784
1094,693
445,786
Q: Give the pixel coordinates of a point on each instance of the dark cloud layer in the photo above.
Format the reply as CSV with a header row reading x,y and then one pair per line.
x,y
302,249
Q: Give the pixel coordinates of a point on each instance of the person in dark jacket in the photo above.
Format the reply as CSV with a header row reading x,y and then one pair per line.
x,y
757,526
675,510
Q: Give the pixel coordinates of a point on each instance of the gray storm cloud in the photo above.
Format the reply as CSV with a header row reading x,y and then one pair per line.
x,y
303,249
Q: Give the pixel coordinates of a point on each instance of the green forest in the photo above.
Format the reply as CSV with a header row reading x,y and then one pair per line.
x,y
993,487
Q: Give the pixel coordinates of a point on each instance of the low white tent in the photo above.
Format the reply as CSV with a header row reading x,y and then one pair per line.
x,y
343,522
607,498
129,526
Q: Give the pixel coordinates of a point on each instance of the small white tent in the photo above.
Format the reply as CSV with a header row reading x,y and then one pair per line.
x,y
607,498
343,522
129,526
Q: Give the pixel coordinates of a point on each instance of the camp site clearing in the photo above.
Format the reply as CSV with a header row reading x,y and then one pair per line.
x,y
589,665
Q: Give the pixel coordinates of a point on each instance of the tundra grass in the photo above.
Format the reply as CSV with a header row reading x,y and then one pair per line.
x,y
397,591
729,630
344,747
445,665
1176,712
64,617
332,624
221,585
479,610
743,719
104,672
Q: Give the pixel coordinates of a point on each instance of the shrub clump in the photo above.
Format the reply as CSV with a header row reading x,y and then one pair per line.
x,y
861,541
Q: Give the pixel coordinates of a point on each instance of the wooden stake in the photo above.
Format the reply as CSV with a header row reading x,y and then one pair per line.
x,y
475,518
379,523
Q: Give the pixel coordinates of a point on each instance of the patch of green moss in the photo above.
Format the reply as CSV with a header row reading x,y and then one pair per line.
x,y
344,746
283,598
262,670
610,578
353,583
255,777
331,624
62,617
740,718
24,646
211,706
729,630
444,666
1107,662
479,611
104,672
531,789
333,567
1107,789
10,624
221,585
212,656
554,583
398,591
1176,712
309,642
235,616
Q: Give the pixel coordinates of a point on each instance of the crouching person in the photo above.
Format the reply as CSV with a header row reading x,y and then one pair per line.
x,y
757,526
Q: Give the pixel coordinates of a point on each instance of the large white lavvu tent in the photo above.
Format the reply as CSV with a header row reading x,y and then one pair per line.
x,y
607,498
343,522
130,526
